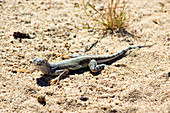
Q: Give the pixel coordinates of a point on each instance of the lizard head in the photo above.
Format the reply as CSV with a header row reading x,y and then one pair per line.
x,y
40,62
41,65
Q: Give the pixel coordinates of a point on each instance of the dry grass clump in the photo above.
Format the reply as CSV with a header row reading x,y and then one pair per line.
x,y
112,14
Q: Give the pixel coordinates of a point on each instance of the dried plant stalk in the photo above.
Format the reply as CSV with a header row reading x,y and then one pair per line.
x,y
113,16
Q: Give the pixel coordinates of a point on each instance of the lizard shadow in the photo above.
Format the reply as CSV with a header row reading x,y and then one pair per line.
x,y
44,80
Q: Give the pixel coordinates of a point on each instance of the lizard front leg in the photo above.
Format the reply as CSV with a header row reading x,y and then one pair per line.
x,y
61,73
94,67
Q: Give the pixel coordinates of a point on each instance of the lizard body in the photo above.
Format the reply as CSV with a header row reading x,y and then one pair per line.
x,y
96,63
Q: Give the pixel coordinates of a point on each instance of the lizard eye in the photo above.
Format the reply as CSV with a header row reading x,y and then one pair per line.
x,y
42,62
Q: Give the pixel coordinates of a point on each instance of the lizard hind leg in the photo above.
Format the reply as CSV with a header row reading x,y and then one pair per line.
x,y
94,67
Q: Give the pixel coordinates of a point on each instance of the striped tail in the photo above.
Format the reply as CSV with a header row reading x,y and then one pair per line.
x,y
118,54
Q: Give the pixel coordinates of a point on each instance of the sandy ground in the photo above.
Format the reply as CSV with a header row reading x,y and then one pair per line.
x,y
138,82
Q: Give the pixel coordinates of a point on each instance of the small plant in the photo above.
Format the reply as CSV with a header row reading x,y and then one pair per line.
x,y
111,16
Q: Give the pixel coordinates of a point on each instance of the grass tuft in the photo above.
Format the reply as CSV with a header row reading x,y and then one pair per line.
x,y
111,16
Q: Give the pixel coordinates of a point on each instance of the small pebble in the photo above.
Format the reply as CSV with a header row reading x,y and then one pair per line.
x,y
41,99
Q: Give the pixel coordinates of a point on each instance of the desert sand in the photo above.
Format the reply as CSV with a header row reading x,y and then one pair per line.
x,y
139,82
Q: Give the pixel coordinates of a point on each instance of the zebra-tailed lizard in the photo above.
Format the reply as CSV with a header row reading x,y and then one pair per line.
x,y
96,63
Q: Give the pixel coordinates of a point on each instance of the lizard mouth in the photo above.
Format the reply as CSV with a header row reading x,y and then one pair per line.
x,y
36,64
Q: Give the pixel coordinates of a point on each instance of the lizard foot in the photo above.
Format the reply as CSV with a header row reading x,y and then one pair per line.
x,y
54,81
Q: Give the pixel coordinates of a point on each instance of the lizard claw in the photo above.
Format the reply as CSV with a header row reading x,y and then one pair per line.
x,y
54,81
